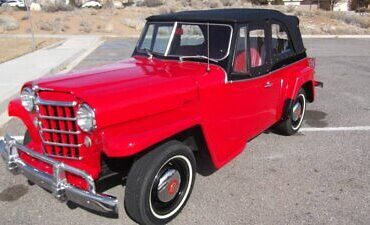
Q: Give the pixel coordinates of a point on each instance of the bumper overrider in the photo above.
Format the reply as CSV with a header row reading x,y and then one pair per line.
x,y
57,183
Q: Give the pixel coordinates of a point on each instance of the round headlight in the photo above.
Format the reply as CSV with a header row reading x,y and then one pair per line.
x,y
85,118
28,99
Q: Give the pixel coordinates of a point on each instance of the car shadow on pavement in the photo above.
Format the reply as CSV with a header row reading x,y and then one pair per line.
x,y
316,118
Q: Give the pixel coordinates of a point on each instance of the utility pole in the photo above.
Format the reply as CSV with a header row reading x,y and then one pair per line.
x,y
26,2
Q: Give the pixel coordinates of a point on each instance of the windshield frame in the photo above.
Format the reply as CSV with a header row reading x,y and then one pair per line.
x,y
169,44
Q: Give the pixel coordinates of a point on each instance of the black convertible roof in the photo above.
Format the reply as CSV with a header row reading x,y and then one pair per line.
x,y
232,16
223,16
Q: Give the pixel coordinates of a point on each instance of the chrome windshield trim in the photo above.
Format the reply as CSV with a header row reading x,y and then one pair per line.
x,y
171,39
210,24
40,101
175,23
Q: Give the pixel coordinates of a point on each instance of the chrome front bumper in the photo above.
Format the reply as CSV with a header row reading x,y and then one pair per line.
x,y
57,183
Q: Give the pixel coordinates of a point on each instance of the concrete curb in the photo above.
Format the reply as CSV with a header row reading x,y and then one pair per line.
x,y
64,66
337,36
77,60
73,61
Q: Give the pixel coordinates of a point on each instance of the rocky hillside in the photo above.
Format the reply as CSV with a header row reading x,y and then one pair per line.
x,y
127,17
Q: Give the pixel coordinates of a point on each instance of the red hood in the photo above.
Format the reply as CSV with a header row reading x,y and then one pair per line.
x,y
124,73
130,86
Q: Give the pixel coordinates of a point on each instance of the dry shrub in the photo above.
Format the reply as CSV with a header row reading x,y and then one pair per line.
x,y
108,4
151,3
54,26
214,4
85,26
25,17
359,21
171,7
57,6
106,28
5,8
8,23
228,2
136,23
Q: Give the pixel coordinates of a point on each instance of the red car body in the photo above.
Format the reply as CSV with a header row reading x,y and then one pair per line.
x,y
140,104
166,97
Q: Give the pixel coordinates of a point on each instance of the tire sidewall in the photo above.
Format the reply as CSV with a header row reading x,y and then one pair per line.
x,y
302,95
291,128
166,153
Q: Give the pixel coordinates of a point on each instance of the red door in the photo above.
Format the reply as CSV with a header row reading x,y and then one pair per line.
x,y
252,104
254,92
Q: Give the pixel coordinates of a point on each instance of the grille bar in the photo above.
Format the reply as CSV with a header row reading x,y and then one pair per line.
x,y
40,101
60,131
58,127
62,144
57,118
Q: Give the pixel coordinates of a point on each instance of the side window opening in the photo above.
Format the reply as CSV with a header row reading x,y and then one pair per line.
x,y
240,59
162,39
250,52
190,35
281,44
257,47
157,37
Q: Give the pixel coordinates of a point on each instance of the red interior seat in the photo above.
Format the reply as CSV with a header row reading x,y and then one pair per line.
x,y
240,65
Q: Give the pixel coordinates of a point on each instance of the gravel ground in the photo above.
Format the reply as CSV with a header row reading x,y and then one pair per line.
x,y
310,178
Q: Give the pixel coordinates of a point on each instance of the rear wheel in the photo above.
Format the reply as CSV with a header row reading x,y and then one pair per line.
x,y
160,183
291,125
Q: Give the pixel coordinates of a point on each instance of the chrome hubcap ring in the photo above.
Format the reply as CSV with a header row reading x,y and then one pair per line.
x,y
297,111
169,185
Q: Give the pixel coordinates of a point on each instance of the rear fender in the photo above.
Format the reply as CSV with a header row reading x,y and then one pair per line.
x,y
305,81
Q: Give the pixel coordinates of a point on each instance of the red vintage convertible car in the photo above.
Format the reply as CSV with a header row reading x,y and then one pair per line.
x,y
198,87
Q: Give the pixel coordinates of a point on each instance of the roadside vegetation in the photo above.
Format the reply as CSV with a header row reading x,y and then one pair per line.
x,y
127,17
12,48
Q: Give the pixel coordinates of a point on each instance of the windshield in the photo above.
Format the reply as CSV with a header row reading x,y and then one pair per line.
x,y
186,40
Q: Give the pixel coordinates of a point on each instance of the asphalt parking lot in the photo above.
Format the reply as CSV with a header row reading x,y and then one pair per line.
x,y
318,176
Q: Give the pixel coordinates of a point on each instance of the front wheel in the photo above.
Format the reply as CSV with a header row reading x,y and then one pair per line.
x,y
297,110
160,183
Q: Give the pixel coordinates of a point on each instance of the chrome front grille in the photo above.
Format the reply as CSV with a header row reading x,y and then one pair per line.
x,y
58,128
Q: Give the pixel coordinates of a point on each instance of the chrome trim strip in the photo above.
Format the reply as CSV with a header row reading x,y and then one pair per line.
x,y
56,183
37,88
61,144
142,35
44,130
171,39
57,118
40,101
63,157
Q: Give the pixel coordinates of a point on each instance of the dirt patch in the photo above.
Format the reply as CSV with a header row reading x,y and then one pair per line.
x,y
14,47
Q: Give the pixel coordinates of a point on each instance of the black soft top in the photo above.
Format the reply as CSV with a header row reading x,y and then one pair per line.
x,y
237,16
223,16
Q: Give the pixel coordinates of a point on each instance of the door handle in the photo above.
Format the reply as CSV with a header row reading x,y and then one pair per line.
x,y
268,84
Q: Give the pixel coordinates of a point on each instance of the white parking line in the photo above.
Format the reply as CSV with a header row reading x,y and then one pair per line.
x,y
316,129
